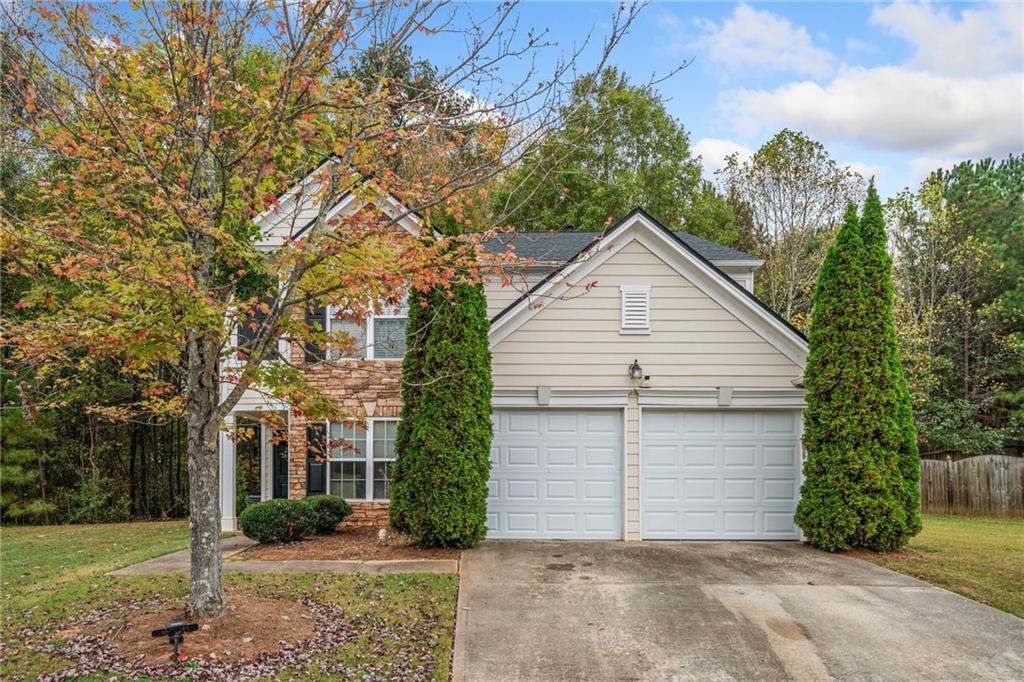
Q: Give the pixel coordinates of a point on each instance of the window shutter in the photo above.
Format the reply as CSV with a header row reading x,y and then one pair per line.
x,y
250,328
316,459
636,309
316,320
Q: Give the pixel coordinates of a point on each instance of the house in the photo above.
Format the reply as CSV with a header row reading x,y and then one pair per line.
x,y
663,403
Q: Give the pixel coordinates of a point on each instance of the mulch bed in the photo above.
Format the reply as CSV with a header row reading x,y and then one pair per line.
x,y
347,544
258,636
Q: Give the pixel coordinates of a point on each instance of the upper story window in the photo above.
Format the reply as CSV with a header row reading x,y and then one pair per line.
x,y
635,301
379,337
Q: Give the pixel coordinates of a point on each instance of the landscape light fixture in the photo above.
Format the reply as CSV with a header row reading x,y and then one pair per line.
x,y
175,634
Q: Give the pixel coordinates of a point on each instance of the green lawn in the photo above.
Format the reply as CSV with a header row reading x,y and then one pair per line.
x,y
980,558
48,573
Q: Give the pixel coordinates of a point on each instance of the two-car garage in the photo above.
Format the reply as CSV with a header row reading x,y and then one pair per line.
x,y
703,474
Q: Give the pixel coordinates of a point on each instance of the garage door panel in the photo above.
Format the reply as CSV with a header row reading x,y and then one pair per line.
x,y
523,456
740,489
602,457
699,455
562,456
522,490
696,424
557,475
737,456
779,456
562,423
524,422
719,474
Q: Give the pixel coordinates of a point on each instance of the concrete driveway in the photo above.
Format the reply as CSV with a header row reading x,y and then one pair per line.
x,y
715,611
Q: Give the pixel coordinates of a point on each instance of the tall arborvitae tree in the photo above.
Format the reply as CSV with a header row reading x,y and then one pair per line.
x,y
894,432
847,498
440,497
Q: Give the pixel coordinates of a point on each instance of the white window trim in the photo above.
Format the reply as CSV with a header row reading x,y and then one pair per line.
x,y
624,290
367,459
368,345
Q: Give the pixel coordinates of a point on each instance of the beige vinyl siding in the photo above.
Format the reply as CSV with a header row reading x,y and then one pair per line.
x,y
500,297
694,342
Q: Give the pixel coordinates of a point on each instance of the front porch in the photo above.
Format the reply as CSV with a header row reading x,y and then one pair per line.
x,y
254,462
257,463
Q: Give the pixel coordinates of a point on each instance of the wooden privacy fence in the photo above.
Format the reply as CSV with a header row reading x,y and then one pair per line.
x,y
987,484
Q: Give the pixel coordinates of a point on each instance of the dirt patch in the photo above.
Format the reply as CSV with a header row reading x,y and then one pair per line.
x,y
355,544
251,626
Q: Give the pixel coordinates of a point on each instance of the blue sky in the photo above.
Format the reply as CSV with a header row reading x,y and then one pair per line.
x,y
895,90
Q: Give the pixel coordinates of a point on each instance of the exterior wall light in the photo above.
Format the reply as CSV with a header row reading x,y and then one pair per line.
x,y
636,372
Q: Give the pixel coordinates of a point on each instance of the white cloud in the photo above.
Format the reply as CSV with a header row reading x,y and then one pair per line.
x,y
867,170
714,151
921,168
760,39
985,39
894,108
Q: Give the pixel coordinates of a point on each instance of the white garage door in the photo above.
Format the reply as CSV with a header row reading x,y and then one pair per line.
x,y
556,474
719,474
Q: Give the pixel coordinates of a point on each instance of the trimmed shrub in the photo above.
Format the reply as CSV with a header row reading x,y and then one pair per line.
x,y
276,521
440,497
327,512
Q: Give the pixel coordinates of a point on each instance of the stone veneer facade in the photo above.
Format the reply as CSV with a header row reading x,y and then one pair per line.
x,y
364,389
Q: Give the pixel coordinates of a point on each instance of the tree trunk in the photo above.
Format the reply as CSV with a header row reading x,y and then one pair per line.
x,y
206,589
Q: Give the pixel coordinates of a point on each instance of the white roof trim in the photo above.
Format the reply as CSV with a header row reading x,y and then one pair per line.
x,y
287,201
713,282
348,203
392,208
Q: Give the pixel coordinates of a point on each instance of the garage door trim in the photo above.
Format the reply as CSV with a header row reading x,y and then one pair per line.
x,y
789,403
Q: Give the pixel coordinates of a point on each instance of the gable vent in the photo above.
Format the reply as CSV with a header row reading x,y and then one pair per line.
x,y
636,309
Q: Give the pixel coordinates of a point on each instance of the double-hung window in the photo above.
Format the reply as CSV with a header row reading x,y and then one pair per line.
x,y
379,337
361,458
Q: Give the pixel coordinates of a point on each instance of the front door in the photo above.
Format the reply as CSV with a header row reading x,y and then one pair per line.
x,y
280,464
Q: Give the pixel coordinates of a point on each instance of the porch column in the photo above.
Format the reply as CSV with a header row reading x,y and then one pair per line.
x,y
228,521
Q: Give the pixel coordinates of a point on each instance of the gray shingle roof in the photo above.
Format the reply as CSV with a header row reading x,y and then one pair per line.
x,y
558,247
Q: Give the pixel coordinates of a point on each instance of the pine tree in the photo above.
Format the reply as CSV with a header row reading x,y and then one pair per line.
x,y
23,444
847,497
890,398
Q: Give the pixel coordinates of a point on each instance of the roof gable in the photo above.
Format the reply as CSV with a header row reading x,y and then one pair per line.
x,y
298,210
682,257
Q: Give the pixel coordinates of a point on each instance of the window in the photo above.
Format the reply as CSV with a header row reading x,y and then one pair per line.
x,y
361,467
382,337
388,337
358,333
636,309
383,456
